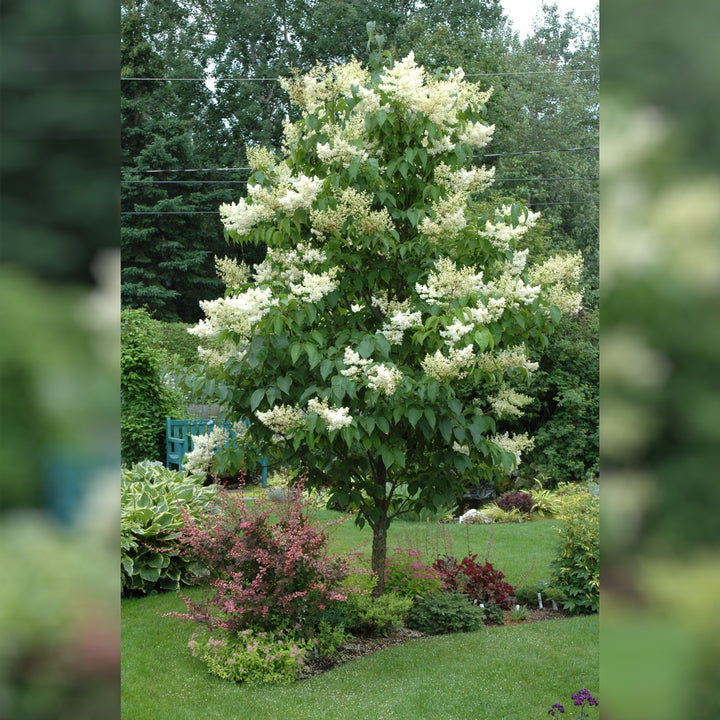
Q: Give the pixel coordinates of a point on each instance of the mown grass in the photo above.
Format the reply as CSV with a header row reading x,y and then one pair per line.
x,y
523,551
498,673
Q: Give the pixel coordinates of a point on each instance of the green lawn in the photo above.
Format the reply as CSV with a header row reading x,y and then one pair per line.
x,y
523,551
509,672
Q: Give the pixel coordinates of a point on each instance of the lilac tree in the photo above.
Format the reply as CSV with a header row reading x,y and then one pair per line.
x,y
387,330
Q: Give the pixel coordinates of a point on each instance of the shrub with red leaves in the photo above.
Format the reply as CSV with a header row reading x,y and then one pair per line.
x,y
521,500
480,582
268,566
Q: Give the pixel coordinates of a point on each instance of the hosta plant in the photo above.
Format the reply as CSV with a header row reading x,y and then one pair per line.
x,y
152,498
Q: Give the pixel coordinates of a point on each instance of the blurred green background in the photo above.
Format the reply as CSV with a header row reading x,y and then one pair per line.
x,y
59,360
660,351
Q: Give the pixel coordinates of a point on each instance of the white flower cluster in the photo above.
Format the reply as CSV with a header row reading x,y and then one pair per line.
x,y
383,378
311,90
555,275
449,367
355,205
483,314
447,282
232,273
511,358
454,333
463,180
287,194
315,286
394,328
477,134
298,269
462,449
513,290
449,217
218,357
200,458
335,417
507,402
354,364
515,444
439,100
239,313
518,262
378,376
501,234
283,419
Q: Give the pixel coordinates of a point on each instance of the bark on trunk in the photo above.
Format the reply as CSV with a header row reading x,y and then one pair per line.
x,y
379,553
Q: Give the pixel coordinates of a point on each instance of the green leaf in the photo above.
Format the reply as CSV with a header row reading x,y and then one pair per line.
x,y
383,424
414,414
295,350
284,383
326,367
388,456
366,347
430,417
256,398
445,426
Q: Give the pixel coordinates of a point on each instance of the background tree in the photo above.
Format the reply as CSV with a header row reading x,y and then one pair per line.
x,y
369,349
167,259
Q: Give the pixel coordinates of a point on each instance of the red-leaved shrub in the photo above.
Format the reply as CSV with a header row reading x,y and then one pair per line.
x,y
480,582
267,565
521,500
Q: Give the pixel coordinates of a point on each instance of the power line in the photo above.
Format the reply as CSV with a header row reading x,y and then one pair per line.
x,y
246,78
244,182
238,169
534,152
217,212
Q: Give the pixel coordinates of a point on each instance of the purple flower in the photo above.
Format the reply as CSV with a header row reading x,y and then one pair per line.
x,y
555,706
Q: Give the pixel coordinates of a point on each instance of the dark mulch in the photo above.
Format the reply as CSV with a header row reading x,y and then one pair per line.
x,y
357,647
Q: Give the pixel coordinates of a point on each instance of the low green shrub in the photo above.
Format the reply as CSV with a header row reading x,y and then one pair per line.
x,y
444,612
492,614
151,496
576,567
250,656
366,615
528,594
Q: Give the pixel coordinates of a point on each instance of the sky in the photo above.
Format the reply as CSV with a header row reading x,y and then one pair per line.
x,y
522,12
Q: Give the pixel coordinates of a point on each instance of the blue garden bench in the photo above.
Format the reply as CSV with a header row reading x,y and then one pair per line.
x,y
179,442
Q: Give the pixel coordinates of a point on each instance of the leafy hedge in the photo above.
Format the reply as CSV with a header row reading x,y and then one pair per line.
x,y
151,518
146,402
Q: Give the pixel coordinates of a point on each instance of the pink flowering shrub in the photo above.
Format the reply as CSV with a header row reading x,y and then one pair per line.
x,y
267,565
407,575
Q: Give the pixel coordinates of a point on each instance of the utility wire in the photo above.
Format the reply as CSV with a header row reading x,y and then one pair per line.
x,y
275,79
217,212
237,169
244,182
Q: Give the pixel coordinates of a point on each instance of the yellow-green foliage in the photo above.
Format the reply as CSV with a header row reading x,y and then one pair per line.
x,y
497,514
576,568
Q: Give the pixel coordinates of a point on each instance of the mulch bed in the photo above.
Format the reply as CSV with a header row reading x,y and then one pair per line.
x,y
357,647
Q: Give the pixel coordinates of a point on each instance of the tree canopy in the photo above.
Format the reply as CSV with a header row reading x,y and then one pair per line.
x,y
385,336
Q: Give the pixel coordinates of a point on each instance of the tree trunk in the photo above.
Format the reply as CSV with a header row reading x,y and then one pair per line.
x,y
379,553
